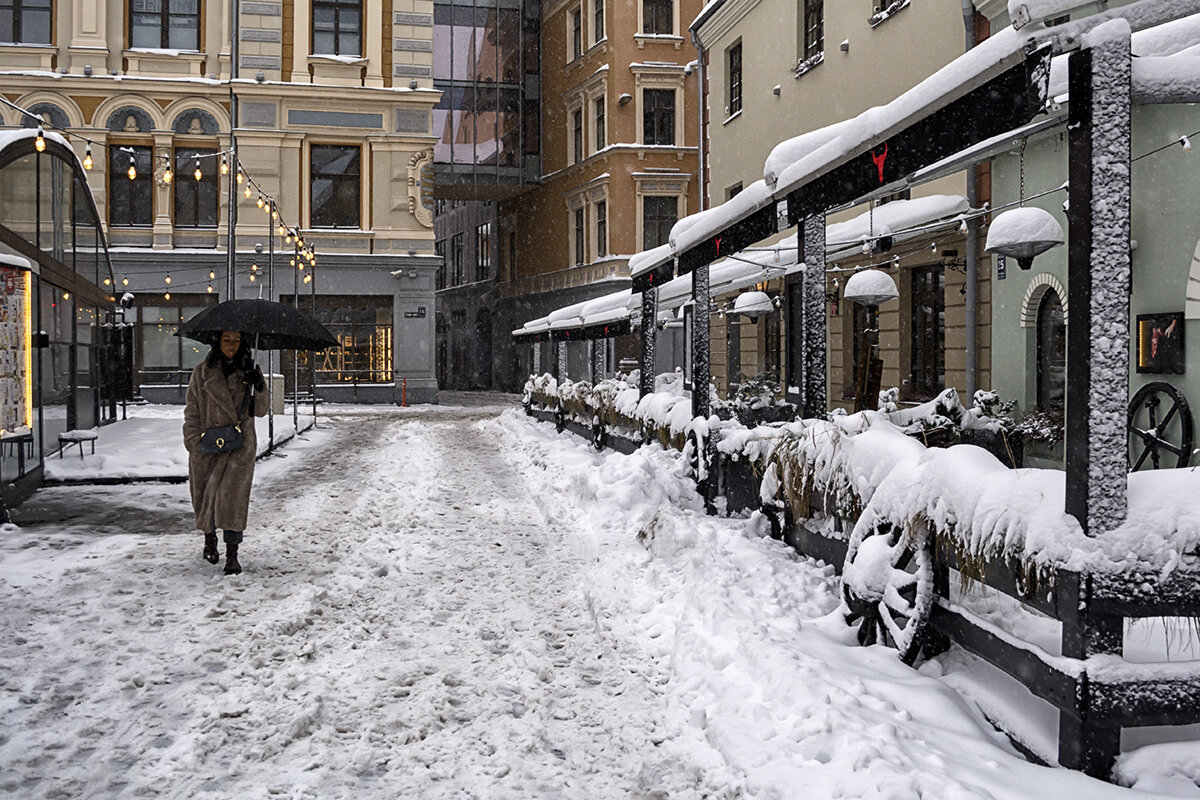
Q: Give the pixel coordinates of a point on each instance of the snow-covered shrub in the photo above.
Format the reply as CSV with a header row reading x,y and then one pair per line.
x,y
757,400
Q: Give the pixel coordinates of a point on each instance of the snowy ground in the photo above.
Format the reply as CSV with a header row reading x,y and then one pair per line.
x,y
458,602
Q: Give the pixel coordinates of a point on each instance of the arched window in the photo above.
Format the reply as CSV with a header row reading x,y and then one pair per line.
x,y
1051,353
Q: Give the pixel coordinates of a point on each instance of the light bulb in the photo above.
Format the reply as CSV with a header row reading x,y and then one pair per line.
x,y
1187,144
241,178
261,202
287,239
211,274
224,166
933,247
167,175
247,191
197,174
963,228
167,296
87,157
282,230
107,282
210,288
39,143
274,213
168,277
132,169
125,281
252,277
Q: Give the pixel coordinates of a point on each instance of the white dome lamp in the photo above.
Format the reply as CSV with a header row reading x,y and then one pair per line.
x,y
1023,233
753,304
871,287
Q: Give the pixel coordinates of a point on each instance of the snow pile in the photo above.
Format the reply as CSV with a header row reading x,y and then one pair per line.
x,y
863,467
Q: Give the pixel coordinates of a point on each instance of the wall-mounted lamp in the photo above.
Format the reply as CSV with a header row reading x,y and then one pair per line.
x,y
776,90
844,46
624,99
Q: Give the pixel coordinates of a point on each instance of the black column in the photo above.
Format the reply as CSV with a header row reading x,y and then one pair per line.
x,y
701,405
812,389
649,332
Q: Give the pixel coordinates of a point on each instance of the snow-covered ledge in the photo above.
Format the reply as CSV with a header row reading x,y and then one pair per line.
x,y
165,63
337,70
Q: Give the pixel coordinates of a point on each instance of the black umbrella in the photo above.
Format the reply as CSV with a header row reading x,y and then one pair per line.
x,y
266,325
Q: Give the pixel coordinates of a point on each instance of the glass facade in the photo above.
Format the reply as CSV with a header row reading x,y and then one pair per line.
x,y
362,324
486,61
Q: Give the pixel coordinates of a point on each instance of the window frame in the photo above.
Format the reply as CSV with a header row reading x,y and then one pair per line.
x,y
184,167
812,33
927,332
1044,397
660,127
733,75
659,226
143,183
457,260
598,27
600,135
483,251
165,17
578,234
601,228
575,31
337,7
578,152
338,179
653,12
19,9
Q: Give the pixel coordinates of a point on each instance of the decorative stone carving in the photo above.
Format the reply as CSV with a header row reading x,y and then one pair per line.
x,y
420,187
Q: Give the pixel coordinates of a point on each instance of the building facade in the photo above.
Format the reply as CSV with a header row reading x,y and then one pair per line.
x,y
619,147
775,71
331,102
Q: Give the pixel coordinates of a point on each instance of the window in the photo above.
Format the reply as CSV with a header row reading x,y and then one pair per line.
x,y
733,354
577,134
733,191
658,16
439,249
362,324
195,200
25,21
164,24
601,138
814,27
601,229
456,260
865,338
658,116
163,354
579,255
337,27
483,252
335,186
130,201
928,326
577,31
734,62
598,21
659,214
1051,353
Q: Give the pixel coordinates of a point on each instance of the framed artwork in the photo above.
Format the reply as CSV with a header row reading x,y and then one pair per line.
x,y
1160,343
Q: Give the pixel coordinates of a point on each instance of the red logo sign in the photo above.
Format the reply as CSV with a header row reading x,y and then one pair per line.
x,y
10,282
879,160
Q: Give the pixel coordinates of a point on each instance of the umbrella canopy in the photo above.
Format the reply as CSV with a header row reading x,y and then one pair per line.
x,y
266,324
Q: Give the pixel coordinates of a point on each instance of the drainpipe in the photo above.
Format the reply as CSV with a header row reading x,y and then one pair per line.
x,y
972,266
694,30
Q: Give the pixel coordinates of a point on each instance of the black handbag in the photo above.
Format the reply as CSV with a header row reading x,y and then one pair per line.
x,y
226,438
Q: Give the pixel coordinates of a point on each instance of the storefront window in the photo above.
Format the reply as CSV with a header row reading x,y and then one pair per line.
x,y
164,357
363,327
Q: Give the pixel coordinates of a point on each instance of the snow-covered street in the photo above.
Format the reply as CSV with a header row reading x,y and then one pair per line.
x,y
458,602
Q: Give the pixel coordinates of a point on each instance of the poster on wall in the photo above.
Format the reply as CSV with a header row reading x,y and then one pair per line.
x,y
1160,343
14,349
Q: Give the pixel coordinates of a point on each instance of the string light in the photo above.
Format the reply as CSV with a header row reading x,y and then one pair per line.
x,y
87,157
261,202
132,168
282,230
224,166
1186,143
197,174
210,288
39,143
125,281
168,277
211,274
167,296
166,170
240,178
274,213
933,247
247,191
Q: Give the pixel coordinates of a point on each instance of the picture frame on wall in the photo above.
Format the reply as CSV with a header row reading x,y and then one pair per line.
x,y
1160,343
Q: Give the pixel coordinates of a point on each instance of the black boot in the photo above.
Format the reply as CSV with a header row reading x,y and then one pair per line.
x,y
210,548
232,540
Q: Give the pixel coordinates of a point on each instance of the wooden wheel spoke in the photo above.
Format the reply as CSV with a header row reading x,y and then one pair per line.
x,y
1142,459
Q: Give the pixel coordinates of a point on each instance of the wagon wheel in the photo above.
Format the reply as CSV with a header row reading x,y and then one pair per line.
x,y
1152,436
887,583
560,420
599,435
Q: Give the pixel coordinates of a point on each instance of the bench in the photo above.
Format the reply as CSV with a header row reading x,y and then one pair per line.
x,y
68,438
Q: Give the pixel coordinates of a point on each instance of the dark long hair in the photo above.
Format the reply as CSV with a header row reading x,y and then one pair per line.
x,y
241,359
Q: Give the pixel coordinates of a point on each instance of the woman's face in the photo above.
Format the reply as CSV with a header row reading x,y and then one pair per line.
x,y
230,342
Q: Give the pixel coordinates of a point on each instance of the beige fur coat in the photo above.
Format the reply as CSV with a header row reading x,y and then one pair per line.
x,y
220,482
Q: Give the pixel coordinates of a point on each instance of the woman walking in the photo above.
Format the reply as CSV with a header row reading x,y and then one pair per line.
x,y
226,387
